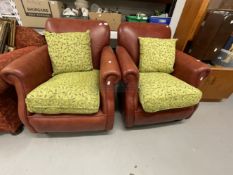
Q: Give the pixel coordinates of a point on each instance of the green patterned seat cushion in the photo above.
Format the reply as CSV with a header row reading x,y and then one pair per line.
x,y
73,93
69,52
161,91
157,55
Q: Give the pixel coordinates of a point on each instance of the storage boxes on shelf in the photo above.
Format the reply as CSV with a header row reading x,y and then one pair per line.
x,y
159,20
136,18
35,13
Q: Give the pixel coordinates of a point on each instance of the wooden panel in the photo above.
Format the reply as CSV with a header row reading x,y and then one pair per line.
x,y
191,18
206,35
218,85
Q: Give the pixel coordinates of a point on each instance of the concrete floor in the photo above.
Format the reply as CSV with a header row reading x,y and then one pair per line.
x,y
202,145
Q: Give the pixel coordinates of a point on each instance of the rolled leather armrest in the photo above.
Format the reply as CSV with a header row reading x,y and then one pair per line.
x,y
129,70
7,58
189,69
130,77
30,70
109,68
109,76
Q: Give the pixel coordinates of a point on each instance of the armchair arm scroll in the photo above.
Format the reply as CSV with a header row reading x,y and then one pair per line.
x,y
130,77
25,74
109,76
7,58
31,69
128,68
109,69
190,69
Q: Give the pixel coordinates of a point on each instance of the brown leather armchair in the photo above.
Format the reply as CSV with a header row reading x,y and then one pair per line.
x,y
186,68
26,40
35,68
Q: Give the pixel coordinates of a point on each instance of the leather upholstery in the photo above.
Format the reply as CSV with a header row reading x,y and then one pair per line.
x,y
109,77
189,69
143,118
7,58
186,68
35,68
27,40
68,123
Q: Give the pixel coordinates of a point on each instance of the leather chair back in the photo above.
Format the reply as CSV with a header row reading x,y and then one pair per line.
x,y
128,34
99,32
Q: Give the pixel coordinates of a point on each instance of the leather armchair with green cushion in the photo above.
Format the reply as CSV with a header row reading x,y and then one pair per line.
x,y
30,73
26,40
165,97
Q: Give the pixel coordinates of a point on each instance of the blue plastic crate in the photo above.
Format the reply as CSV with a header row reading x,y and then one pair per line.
x,y
160,20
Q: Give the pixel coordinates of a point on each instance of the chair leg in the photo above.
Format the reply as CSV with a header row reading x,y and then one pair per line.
x,y
18,131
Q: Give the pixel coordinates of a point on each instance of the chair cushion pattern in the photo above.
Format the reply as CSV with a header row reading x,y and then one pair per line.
x,y
157,55
69,52
73,93
26,36
161,91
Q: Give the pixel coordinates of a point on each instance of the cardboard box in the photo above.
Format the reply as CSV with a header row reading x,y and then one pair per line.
x,y
57,8
113,19
34,13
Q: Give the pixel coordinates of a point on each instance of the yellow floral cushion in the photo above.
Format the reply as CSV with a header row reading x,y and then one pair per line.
x,y
75,93
160,91
69,52
157,55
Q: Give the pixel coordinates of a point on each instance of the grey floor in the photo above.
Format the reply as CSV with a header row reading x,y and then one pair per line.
x,y
202,145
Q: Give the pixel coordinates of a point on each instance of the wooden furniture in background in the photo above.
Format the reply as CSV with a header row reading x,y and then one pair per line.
x,y
191,18
214,4
213,35
226,4
218,85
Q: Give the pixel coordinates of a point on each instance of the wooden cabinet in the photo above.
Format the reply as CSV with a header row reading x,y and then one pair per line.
x,y
218,85
190,20
213,35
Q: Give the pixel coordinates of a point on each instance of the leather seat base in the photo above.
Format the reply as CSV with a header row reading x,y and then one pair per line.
x,y
144,118
68,123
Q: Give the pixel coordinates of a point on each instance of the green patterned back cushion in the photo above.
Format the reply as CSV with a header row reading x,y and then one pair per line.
x,y
69,52
157,55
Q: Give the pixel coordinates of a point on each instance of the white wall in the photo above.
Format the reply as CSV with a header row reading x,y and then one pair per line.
x,y
176,15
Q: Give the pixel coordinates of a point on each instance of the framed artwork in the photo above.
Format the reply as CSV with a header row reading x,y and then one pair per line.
x,y
11,31
3,34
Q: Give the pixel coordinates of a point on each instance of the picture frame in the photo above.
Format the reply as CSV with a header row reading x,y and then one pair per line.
x,y
4,26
